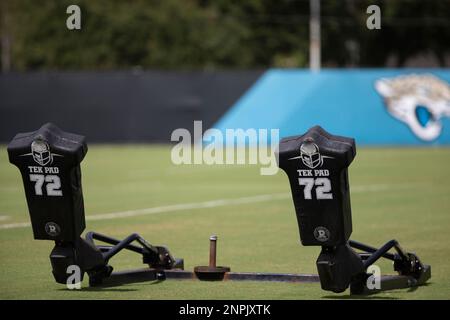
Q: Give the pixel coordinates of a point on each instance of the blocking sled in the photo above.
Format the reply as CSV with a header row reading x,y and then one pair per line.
x,y
49,161
317,167
316,164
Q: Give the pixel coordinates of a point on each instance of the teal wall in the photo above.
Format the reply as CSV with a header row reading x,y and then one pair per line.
x,y
345,103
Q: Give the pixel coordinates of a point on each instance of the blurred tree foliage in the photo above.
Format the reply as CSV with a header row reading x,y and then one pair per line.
x,y
218,34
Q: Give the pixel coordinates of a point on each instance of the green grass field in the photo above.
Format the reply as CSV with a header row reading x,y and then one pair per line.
x,y
396,193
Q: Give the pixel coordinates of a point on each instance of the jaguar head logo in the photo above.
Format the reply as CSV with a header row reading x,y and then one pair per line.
x,y
419,101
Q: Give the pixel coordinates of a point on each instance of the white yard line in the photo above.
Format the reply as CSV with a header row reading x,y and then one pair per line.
x,y
188,206
204,204
15,225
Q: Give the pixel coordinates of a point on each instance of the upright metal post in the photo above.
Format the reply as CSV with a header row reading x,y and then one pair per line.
x,y
5,37
212,251
314,35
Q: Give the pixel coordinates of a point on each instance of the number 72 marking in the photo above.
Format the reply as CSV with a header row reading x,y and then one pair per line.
x,y
323,188
53,186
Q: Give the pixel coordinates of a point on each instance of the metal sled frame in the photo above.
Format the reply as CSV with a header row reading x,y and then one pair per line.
x,y
412,272
163,266
157,257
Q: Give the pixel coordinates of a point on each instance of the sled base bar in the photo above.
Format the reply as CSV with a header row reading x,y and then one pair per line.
x,y
393,282
276,277
248,276
388,282
148,274
129,276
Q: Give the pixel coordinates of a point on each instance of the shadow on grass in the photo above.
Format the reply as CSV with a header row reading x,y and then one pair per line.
x,y
361,297
99,289
426,284
112,287
377,295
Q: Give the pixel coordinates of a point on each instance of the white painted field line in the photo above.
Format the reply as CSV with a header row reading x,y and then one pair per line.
x,y
204,204
169,208
188,206
15,225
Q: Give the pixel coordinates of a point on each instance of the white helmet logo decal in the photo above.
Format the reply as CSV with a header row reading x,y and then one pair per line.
x,y
309,152
310,155
41,152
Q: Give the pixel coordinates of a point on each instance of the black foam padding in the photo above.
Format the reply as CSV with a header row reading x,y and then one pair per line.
x,y
49,161
316,164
